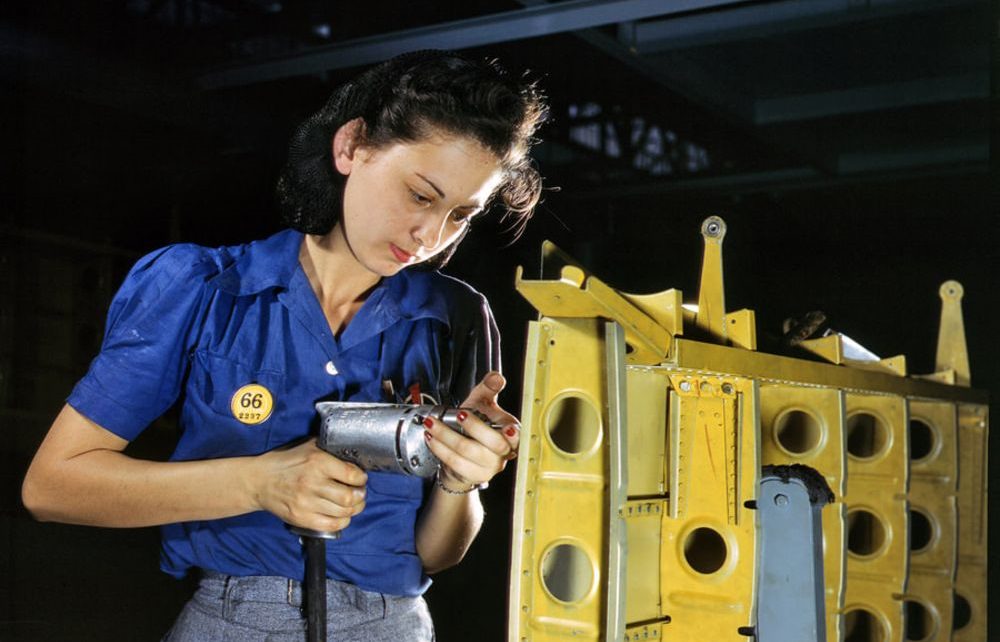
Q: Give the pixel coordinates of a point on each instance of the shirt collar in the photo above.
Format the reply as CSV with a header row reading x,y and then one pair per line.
x,y
261,265
271,263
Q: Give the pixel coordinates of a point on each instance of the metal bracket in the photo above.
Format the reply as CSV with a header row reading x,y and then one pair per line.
x,y
952,354
567,290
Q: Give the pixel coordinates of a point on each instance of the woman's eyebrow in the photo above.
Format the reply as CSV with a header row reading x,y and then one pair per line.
x,y
429,182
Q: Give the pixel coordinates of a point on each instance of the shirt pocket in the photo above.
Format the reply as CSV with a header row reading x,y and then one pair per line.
x,y
232,405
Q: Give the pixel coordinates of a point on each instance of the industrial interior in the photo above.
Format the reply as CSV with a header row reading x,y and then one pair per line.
x,y
846,147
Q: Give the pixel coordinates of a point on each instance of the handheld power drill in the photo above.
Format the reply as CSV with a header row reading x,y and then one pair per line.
x,y
382,437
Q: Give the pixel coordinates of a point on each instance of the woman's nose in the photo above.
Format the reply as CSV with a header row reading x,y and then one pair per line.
x,y
429,229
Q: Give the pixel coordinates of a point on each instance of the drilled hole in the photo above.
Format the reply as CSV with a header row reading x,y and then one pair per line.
x,y
865,532
962,614
921,530
573,425
922,439
705,550
867,435
798,431
919,621
861,625
567,573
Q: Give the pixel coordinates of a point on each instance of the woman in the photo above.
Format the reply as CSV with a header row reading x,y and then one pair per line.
x,y
382,182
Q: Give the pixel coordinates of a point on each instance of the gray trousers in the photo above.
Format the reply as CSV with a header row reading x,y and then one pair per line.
x,y
247,609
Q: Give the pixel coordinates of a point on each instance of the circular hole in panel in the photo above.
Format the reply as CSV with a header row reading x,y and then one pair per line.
x,y
705,550
923,438
962,614
861,625
798,431
867,435
919,623
921,530
865,533
573,424
567,573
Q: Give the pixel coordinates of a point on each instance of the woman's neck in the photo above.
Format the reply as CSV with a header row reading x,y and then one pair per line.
x,y
340,282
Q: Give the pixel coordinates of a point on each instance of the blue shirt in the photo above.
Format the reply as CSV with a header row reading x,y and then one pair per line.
x,y
196,324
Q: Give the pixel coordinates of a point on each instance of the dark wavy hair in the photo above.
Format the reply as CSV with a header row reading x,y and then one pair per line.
x,y
406,99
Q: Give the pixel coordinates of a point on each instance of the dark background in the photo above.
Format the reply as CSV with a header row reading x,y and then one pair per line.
x,y
847,145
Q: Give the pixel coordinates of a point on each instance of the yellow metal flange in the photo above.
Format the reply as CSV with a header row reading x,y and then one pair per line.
x,y
952,354
711,316
568,291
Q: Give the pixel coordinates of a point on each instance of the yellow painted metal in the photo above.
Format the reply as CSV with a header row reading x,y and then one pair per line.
x,y
936,464
973,444
876,617
933,435
831,348
804,425
662,307
928,608
575,294
696,421
643,522
779,369
647,432
561,519
933,485
952,354
970,582
741,326
708,553
969,619
711,316
644,632
876,430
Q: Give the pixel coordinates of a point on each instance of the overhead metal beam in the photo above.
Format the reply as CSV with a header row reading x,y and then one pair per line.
x,y
770,19
508,26
958,162
910,93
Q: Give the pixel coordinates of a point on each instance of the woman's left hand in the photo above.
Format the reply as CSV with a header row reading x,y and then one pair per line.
x,y
477,456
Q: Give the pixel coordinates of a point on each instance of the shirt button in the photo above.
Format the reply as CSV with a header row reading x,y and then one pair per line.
x,y
330,368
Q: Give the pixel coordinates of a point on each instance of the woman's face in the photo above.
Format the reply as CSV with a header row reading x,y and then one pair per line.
x,y
406,202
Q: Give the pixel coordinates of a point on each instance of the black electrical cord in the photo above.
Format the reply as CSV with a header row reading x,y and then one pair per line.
x,y
315,586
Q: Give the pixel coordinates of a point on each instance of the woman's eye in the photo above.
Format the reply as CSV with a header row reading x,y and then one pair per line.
x,y
419,198
460,216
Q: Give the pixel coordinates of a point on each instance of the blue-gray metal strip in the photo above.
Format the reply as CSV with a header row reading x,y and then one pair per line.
x,y
459,34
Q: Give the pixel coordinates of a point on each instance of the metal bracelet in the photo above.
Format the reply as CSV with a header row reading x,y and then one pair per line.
x,y
440,484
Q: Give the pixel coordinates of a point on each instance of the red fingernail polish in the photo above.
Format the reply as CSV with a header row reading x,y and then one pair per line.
x,y
461,415
429,422
428,436
511,431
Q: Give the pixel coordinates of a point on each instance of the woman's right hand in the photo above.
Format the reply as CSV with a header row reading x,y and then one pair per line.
x,y
307,487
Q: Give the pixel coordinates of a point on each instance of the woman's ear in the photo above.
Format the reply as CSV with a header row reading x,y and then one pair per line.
x,y
345,143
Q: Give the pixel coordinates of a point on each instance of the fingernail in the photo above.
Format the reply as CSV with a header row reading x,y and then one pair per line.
x,y
510,431
428,436
461,416
360,494
429,422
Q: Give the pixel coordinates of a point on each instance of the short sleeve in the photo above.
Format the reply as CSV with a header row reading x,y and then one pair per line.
x,y
151,327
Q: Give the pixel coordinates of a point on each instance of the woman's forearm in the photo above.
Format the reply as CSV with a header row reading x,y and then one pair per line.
x,y
80,476
447,526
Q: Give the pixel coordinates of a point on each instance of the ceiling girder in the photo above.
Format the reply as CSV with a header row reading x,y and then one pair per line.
x,y
855,100
518,24
769,19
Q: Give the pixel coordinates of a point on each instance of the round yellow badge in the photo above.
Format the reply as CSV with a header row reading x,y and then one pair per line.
x,y
252,404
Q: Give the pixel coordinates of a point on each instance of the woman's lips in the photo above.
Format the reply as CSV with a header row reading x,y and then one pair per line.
x,y
401,255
